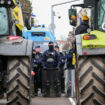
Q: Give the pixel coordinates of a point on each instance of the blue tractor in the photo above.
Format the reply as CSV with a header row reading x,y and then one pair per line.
x,y
40,35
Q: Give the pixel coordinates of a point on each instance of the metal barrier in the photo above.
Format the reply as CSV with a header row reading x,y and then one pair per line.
x,y
70,87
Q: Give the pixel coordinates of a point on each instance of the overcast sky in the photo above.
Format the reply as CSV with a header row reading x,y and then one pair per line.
x,y
42,10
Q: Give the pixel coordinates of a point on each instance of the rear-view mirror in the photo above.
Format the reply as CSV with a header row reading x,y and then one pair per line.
x,y
73,16
28,23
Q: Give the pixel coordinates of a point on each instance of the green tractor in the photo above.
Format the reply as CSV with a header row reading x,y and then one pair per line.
x,y
15,57
90,56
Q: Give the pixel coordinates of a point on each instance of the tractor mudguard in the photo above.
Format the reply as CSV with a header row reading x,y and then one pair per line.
x,y
19,47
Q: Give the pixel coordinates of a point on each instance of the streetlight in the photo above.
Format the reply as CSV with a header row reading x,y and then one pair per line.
x,y
53,13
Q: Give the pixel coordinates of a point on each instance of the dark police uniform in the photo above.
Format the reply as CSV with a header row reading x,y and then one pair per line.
x,y
68,73
37,70
51,76
51,59
62,59
69,59
82,28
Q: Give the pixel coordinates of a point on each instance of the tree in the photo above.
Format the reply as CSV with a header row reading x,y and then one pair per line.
x,y
26,8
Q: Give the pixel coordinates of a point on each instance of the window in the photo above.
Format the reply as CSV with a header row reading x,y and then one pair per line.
x,y
101,13
3,21
92,19
38,34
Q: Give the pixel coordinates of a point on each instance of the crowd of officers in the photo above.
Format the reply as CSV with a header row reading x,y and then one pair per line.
x,y
50,59
53,58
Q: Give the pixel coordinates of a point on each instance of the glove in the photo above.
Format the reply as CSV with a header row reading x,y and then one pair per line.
x,y
33,73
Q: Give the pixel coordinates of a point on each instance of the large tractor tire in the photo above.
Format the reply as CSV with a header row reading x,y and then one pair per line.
x,y
91,80
18,84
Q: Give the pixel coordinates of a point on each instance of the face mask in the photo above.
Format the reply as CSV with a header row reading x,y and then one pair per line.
x,y
51,47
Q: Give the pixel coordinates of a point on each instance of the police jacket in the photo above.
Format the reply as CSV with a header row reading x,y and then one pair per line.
x,y
62,59
51,59
82,28
38,58
69,59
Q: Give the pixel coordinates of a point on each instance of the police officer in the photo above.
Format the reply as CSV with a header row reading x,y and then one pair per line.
x,y
51,57
69,73
61,55
82,28
62,60
69,59
51,73
37,69
56,48
62,67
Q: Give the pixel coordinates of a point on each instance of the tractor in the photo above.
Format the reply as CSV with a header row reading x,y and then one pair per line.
x,y
15,55
90,55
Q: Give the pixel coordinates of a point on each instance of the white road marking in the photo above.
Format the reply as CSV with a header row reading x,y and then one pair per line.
x,y
72,101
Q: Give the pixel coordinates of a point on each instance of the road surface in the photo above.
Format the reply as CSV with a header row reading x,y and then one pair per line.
x,y
46,101
50,101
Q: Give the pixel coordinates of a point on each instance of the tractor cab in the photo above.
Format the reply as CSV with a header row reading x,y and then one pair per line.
x,y
6,17
97,9
11,19
98,17
95,36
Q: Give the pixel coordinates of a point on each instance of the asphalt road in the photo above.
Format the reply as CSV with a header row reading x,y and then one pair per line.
x,y
50,101
45,101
